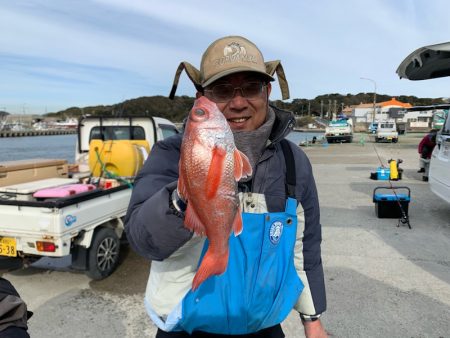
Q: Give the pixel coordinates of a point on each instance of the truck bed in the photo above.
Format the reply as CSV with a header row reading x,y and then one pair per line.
x,y
59,220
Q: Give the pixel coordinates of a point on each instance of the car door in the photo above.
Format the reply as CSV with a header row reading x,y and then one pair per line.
x,y
440,163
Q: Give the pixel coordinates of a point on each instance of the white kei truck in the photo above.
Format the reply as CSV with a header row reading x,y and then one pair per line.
x,y
386,132
49,208
339,131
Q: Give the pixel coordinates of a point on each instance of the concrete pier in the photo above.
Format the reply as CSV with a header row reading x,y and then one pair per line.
x,y
382,280
21,133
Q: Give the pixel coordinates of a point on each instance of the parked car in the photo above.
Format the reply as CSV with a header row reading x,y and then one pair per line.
x,y
339,131
431,62
373,127
386,131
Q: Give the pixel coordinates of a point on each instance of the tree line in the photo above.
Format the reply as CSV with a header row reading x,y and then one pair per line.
x,y
176,110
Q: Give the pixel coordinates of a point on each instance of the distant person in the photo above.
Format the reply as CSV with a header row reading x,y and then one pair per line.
x,y
425,150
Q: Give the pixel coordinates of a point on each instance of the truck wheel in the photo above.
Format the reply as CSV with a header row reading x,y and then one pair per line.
x,y
103,254
394,140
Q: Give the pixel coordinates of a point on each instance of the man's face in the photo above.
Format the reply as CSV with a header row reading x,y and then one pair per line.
x,y
242,113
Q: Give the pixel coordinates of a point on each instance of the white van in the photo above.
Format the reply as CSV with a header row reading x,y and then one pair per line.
x,y
439,176
431,62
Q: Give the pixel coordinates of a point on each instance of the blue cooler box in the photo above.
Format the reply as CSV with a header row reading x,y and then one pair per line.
x,y
383,174
390,205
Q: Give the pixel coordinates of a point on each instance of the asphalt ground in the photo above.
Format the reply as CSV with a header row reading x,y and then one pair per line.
x,y
382,280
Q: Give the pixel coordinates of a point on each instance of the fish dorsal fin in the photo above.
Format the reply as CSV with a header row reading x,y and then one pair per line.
x,y
215,171
242,167
192,222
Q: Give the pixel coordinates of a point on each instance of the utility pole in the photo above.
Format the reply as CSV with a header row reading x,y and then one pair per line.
x,y
329,109
374,96
309,108
321,109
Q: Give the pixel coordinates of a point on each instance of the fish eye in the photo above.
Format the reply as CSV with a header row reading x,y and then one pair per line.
x,y
199,112
198,115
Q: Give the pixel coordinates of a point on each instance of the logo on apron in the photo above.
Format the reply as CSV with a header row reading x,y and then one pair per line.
x,y
276,229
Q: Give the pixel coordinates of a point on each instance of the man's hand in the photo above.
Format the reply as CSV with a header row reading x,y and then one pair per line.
x,y
314,329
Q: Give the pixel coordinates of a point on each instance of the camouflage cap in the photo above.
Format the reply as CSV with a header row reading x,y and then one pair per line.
x,y
229,55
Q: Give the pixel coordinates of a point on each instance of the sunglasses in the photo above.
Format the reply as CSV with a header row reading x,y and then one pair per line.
x,y
225,92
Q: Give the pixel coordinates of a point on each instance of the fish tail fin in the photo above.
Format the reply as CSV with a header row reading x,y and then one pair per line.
x,y
242,167
237,223
192,222
212,264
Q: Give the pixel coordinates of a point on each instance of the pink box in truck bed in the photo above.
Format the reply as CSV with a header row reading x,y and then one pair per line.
x,y
64,191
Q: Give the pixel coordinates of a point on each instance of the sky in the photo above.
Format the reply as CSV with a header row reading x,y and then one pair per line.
x,y
56,54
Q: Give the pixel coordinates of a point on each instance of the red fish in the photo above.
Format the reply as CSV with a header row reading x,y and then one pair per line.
x,y
210,166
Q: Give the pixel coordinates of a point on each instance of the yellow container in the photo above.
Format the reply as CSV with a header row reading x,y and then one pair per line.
x,y
393,170
120,158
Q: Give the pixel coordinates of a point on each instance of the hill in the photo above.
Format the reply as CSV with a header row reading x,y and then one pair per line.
x,y
176,110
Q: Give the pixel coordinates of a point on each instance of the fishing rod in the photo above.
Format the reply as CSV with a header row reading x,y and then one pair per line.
x,y
404,219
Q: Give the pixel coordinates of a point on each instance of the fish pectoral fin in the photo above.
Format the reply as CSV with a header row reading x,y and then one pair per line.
x,y
181,186
215,171
242,167
192,222
237,223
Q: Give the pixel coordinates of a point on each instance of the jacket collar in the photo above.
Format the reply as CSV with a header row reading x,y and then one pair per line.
x,y
283,125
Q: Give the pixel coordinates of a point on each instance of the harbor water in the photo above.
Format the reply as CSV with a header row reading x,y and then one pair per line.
x,y
29,147
63,146
302,137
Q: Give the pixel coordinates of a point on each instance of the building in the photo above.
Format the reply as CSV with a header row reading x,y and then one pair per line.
x,y
391,110
363,113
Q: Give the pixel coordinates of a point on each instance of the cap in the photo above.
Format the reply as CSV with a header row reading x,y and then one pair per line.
x,y
229,55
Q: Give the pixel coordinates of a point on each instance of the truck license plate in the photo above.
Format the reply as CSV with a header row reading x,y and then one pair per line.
x,y
8,247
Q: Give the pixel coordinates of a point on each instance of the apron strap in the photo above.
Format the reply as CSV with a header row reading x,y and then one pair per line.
x,y
290,168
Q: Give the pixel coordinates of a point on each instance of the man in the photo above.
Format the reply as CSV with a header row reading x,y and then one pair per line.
x,y
425,150
283,268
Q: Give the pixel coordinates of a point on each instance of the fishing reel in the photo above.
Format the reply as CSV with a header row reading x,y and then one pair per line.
x,y
404,220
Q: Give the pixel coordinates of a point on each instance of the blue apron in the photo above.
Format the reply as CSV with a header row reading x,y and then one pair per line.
x,y
260,286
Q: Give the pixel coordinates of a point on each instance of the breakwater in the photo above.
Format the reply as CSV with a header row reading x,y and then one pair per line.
x,y
21,133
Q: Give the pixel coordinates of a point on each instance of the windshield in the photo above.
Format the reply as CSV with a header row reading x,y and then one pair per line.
x,y
338,123
168,130
107,133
